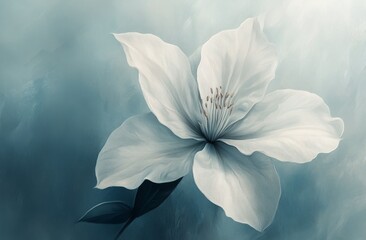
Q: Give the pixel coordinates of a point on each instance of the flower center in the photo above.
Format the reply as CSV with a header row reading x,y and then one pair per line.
x,y
216,109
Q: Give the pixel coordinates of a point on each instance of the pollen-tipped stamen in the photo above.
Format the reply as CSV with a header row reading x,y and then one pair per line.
x,y
216,111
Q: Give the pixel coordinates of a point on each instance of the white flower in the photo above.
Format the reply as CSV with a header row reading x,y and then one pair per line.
x,y
215,123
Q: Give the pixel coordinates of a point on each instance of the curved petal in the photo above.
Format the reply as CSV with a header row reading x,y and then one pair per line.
x,y
288,125
166,81
142,148
242,62
247,188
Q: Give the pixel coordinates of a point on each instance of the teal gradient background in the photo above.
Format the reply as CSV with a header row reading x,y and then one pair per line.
x,y
65,86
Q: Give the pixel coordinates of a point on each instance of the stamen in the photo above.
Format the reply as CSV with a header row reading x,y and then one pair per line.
x,y
216,111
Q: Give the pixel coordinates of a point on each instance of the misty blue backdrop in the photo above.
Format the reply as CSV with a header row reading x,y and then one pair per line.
x,y
65,86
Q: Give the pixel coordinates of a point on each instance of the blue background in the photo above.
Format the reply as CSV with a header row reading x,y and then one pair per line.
x,y
65,85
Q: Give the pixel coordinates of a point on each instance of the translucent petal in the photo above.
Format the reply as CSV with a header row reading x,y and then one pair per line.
x,y
142,148
247,188
238,63
288,125
167,83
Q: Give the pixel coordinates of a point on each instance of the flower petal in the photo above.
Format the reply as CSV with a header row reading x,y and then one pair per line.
x,y
288,125
242,62
247,188
142,148
166,80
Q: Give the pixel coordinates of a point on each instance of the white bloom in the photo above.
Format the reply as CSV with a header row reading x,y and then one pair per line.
x,y
215,123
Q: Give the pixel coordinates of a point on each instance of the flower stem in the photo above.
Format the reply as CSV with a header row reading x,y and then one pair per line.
x,y
129,221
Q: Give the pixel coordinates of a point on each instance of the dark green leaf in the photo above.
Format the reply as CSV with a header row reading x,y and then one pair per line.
x,y
108,212
150,195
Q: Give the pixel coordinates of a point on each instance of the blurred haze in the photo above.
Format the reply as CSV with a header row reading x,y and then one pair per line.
x,y
65,85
